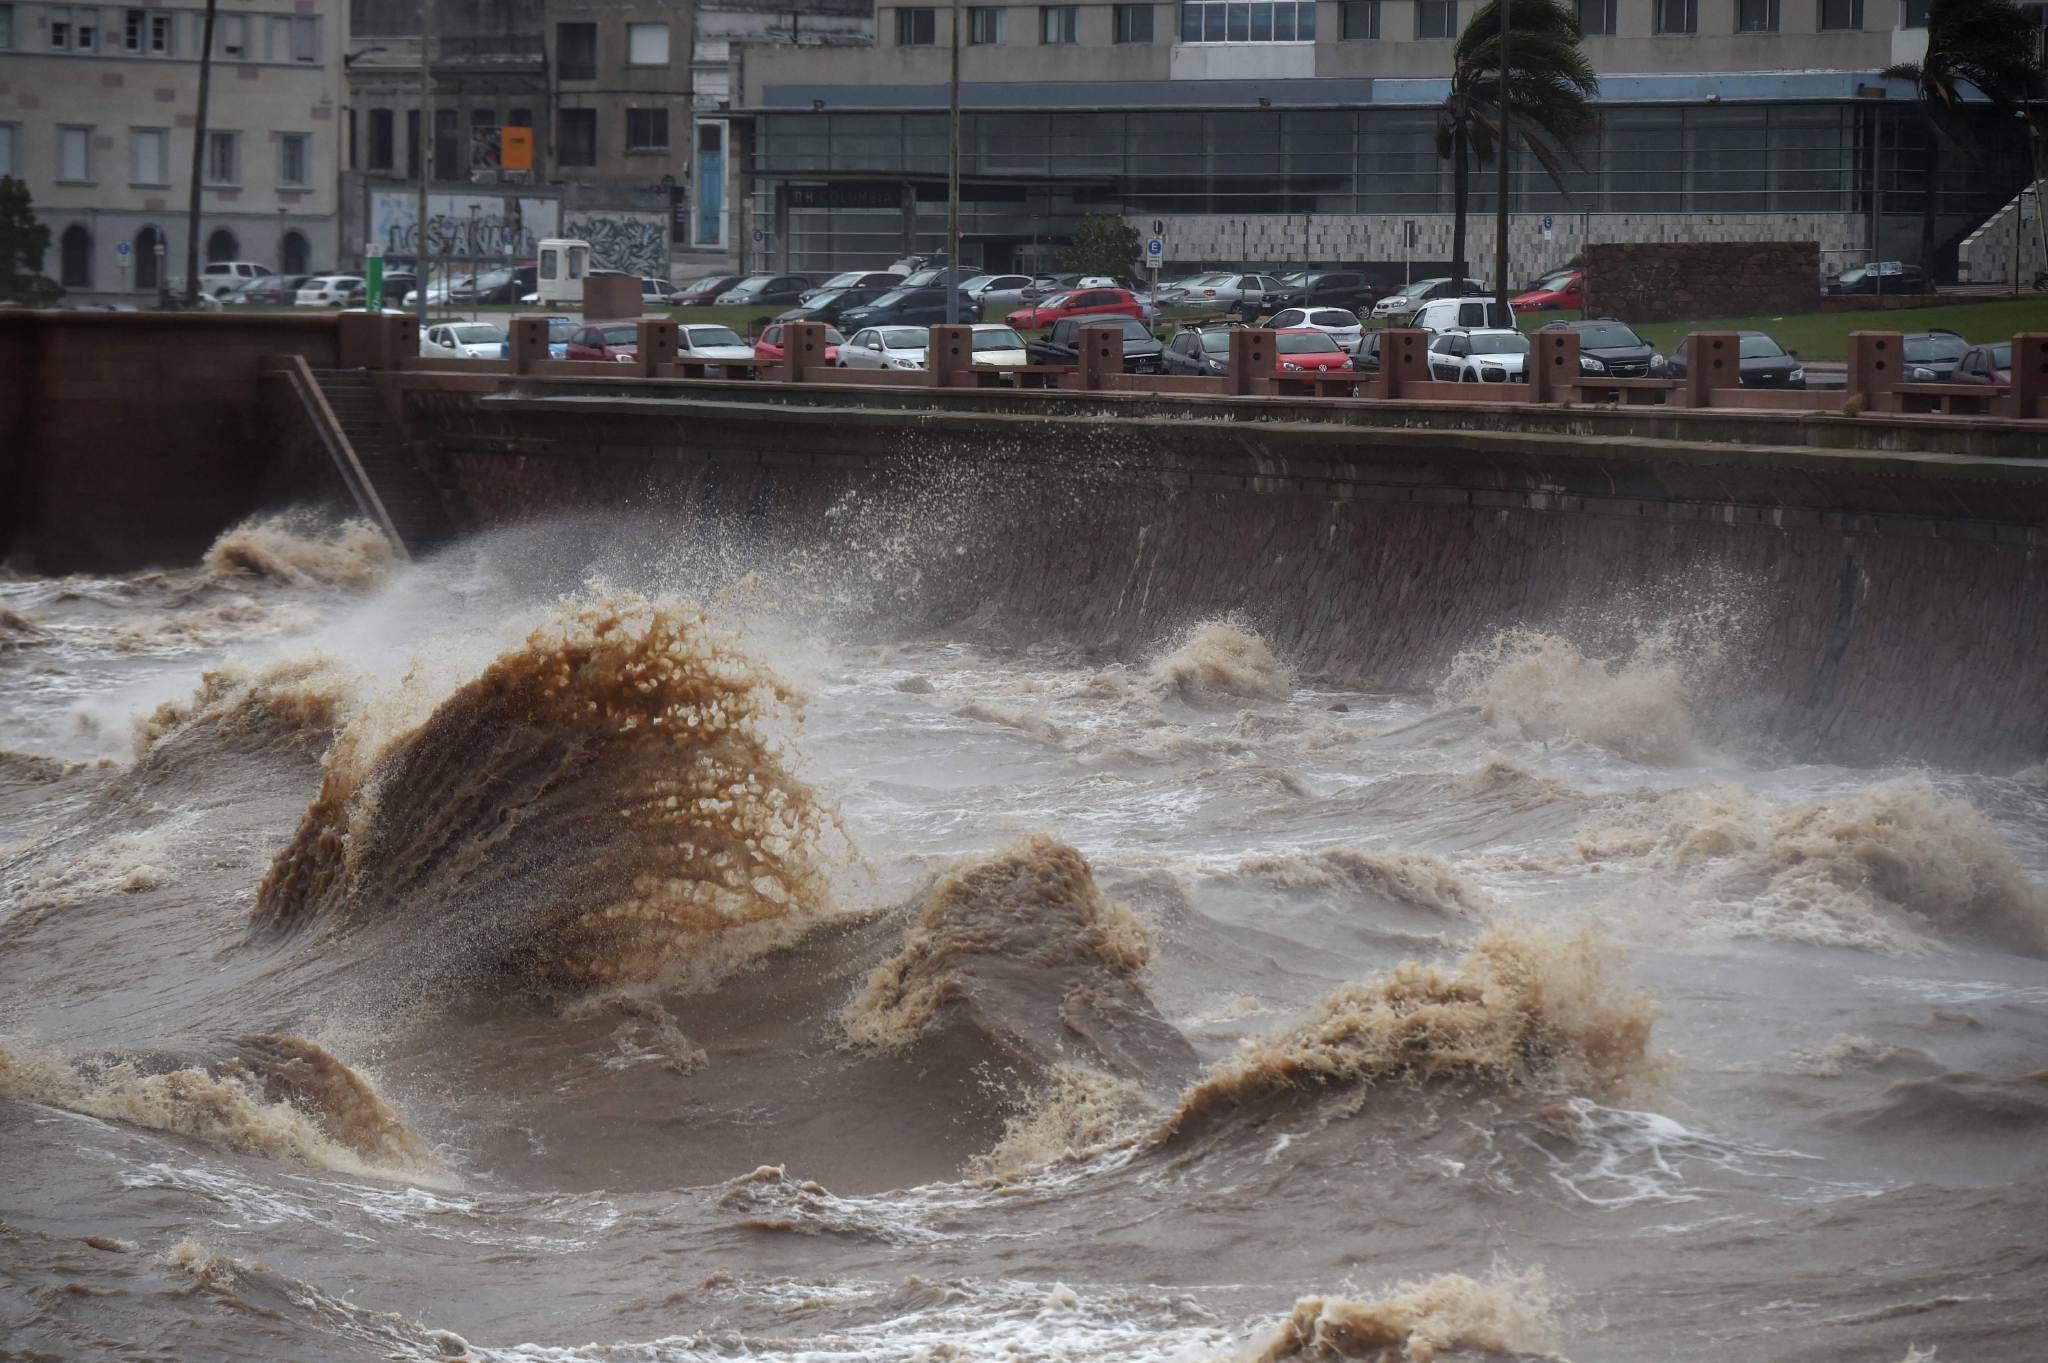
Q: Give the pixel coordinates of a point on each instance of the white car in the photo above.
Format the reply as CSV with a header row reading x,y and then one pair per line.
x,y
997,290
328,290
1228,291
885,348
995,343
463,340
1344,326
1488,355
721,345
1470,313
219,278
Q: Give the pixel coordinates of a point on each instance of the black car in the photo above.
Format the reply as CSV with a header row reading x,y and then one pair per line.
x,y
1199,354
1062,345
830,307
1762,363
1366,359
907,308
1932,356
766,288
1886,276
1613,348
704,292
506,286
1344,289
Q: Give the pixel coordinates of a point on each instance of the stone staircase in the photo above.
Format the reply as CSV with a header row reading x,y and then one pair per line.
x,y
411,503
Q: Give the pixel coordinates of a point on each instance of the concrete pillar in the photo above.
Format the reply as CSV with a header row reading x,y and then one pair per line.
x,y
1712,360
529,343
950,350
1404,359
1102,355
654,345
1251,359
376,340
803,350
1876,366
2029,374
1553,365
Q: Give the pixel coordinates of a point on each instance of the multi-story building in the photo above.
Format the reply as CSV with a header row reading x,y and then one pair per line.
x,y
98,108
1305,130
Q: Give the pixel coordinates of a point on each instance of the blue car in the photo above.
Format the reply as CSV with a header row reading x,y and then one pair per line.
x,y
559,330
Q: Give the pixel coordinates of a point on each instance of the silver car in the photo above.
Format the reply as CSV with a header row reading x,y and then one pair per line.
x,y
885,348
998,290
1235,289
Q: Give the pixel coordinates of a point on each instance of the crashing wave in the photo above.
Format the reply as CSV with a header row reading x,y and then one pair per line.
x,y
295,551
1506,1313
1218,659
1539,686
1419,878
300,699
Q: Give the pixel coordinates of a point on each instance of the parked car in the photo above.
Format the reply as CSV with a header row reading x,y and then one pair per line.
x,y
704,292
398,287
559,331
1203,353
879,281
1760,363
1885,276
768,347
1345,289
464,340
329,290
656,293
997,290
829,307
1079,303
1561,290
906,307
1464,314
995,343
1062,345
268,288
1046,285
1343,325
885,348
756,290
610,341
1613,348
1413,295
1365,356
935,277
1249,294
1985,364
1489,355
711,342
1308,351
219,278
1932,356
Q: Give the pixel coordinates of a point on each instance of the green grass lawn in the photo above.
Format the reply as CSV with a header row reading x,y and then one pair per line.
x,y
1825,335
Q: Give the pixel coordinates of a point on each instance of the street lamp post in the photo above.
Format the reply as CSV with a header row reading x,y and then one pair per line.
x,y
198,158
952,275
426,147
1500,208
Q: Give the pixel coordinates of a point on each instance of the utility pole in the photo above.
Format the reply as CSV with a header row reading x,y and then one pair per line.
x,y
198,160
426,147
1500,209
952,275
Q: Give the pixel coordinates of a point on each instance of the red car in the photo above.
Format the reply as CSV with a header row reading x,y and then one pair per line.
x,y
1076,303
1305,352
616,341
1564,289
769,347
1985,364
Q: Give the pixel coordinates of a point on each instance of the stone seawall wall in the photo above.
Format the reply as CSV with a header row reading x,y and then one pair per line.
x,y
1672,281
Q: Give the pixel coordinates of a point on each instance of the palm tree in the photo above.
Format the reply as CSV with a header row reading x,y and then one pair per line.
x,y
1549,98
1989,45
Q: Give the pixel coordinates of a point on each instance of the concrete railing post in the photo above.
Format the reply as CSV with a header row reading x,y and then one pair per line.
x,y
1876,367
1553,366
950,350
1251,358
1713,359
803,350
1102,355
529,343
1404,359
375,340
2029,374
654,345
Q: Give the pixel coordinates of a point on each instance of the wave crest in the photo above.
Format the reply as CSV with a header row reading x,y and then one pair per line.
x,y
1419,878
1216,658
1506,1313
1539,686
295,551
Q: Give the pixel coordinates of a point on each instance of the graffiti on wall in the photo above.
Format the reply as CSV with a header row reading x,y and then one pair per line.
x,y
636,243
489,227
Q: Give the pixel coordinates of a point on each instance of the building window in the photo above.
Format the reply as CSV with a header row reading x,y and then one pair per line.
x,y
294,157
1134,23
74,154
987,27
412,144
1596,17
576,137
382,136
152,159
1436,18
160,42
1756,16
447,144
75,271
223,159
917,27
1060,24
145,257
294,40
85,30
1678,16
293,254
6,28
1916,14
9,165
60,30
646,130
576,51
1361,20
647,44
1282,22
231,37
1840,15
221,246
134,31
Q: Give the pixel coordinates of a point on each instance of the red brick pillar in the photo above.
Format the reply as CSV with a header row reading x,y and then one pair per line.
x,y
1713,359
1876,367
1404,359
654,345
1102,355
1251,359
2029,374
529,343
1553,366
803,350
949,350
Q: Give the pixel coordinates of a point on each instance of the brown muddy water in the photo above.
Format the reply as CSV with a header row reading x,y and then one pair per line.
x,y
589,944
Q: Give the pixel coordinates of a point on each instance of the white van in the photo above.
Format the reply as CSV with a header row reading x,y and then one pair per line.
x,y
1471,314
563,262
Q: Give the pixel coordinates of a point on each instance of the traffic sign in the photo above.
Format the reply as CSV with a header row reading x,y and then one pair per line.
x,y
1158,227
759,235
121,248
1546,224
1154,249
